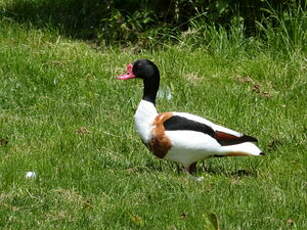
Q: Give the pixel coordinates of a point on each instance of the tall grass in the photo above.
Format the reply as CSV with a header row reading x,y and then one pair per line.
x,y
289,32
280,34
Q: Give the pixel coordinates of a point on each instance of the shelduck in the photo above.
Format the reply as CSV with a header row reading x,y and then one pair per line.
x,y
177,136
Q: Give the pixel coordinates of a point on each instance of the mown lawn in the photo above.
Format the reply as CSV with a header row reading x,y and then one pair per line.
x,y
65,117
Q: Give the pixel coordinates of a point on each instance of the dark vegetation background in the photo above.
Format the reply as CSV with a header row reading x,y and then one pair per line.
x,y
147,21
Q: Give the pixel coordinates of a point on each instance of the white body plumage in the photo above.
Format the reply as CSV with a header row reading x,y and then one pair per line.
x,y
189,146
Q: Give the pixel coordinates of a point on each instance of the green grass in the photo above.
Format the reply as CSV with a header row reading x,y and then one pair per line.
x,y
66,118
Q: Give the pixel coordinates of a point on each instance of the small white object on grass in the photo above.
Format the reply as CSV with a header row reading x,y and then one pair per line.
x,y
199,179
30,175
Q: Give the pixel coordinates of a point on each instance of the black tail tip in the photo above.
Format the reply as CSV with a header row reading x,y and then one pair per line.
x,y
262,154
249,138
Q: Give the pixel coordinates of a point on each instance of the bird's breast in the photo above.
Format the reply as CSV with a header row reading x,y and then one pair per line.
x,y
160,144
144,118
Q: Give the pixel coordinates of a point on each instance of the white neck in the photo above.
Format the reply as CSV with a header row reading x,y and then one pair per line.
x,y
144,118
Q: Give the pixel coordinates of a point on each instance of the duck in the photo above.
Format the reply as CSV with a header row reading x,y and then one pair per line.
x,y
180,136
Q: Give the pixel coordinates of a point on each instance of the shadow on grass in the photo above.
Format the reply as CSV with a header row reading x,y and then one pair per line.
x,y
225,172
73,18
201,168
109,21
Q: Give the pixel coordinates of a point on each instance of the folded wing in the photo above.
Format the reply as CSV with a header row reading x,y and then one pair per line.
x,y
224,136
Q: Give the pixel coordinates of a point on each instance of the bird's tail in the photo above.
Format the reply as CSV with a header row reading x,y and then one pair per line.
x,y
243,149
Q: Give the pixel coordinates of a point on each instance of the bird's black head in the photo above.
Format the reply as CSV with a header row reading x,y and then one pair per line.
x,y
142,68
145,69
149,72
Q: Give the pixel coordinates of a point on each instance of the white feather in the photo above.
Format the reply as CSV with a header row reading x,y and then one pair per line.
x,y
144,118
246,147
190,146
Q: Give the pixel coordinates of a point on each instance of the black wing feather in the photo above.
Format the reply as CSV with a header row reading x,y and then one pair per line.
x,y
182,123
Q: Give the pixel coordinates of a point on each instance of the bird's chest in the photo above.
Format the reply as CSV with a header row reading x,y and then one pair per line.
x,y
154,139
143,119
144,128
159,143
159,147
149,125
